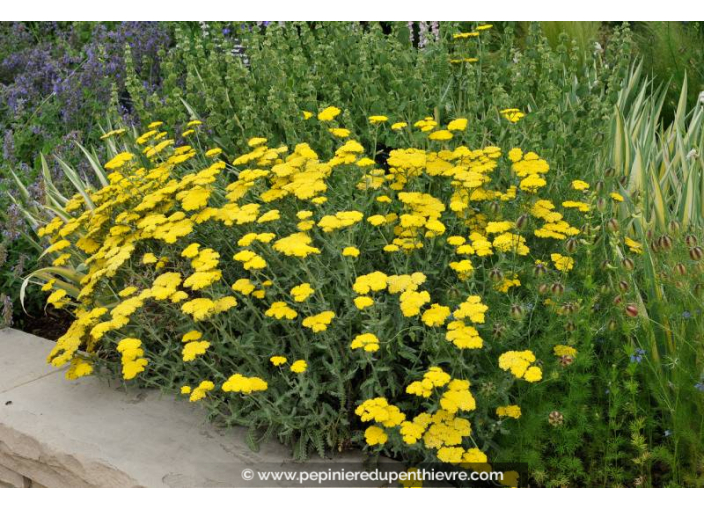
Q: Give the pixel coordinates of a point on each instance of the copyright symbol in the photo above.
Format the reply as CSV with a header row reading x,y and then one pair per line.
x,y
247,474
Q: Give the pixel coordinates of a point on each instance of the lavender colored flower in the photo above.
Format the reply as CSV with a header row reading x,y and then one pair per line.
x,y
637,356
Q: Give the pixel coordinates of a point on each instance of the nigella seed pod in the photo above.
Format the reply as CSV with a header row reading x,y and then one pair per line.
x,y
571,307
665,242
599,186
570,326
557,288
495,208
571,245
696,253
609,172
623,286
566,360
623,181
556,419
496,275
604,289
690,240
601,204
617,300
680,269
673,227
612,325
498,330
543,288
632,310
522,221
517,311
628,264
654,247
612,225
699,289
540,269
604,265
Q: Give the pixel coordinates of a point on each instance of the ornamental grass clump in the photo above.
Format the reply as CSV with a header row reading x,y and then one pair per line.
x,y
323,299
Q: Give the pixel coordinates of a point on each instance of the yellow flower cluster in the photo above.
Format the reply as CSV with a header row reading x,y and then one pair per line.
x,y
368,341
520,364
245,385
509,412
133,360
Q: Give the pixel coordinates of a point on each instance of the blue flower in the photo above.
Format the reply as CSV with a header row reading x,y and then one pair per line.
x,y
637,356
700,386
686,315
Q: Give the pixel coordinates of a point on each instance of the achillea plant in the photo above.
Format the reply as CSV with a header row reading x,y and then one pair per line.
x,y
323,299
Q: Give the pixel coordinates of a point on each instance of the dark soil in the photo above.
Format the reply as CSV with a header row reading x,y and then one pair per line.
x,y
51,325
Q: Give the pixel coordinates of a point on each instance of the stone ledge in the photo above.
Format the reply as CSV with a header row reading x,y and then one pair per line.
x,y
59,433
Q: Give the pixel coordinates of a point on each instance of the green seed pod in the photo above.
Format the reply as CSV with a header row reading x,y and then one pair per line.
x,y
696,253
623,286
601,204
665,242
612,225
517,311
522,221
495,208
571,245
557,288
612,325
496,275
570,326
690,240
540,269
599,186
680,269
699,289
673,227
628,264
543,288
